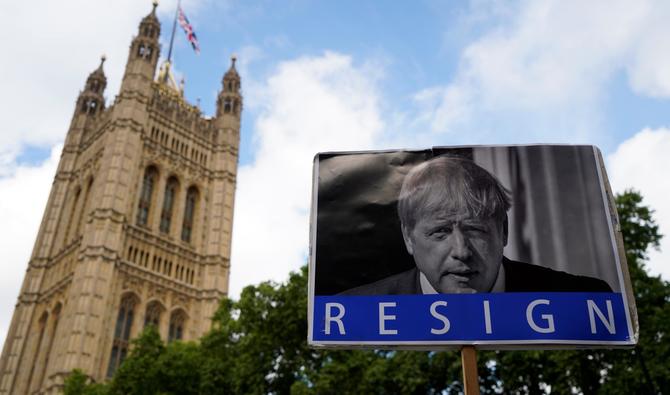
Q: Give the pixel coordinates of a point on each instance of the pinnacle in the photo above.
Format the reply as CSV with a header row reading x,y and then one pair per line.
x,y
152,15
99,71
232,72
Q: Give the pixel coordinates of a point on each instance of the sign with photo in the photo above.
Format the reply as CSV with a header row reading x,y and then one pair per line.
x,y
495,246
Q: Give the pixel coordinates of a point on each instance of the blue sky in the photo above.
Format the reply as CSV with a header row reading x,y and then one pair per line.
x,y
273,32
417,48
325,75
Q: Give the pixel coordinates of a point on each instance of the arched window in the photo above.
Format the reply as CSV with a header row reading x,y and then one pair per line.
x,y
73,211
177,321
153,314
42,324
227,105
144,51
148,182
92,105
55,317
124,322
189,213
84,206
168,203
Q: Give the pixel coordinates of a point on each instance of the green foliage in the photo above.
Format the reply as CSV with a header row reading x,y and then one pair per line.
x,y
383,372
638,227
644,369
257,345
78,383
75,383
139,374
259,340
179,369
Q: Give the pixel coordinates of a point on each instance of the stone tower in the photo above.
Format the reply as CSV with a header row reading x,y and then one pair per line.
x,y
137,228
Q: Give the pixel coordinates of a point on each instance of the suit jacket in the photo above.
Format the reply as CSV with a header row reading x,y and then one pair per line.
x,y
519,277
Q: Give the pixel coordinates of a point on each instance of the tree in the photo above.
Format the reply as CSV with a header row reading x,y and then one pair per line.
x,y
179,369
258,346
138,374
78,383
645,368
75,383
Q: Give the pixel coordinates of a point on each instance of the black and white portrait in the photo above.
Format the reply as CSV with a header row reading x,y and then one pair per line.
x,y
463,220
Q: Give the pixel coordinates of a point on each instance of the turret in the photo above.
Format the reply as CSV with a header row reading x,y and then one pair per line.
x,y
91,100
229,107
229,101
143,55
90,103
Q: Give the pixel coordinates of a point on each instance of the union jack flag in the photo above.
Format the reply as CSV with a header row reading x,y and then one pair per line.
x,y
188,29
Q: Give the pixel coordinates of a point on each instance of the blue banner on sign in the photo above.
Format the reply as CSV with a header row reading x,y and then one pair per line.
x,y
486,317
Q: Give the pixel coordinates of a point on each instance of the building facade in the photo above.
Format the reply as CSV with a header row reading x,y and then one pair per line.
x,y
137,228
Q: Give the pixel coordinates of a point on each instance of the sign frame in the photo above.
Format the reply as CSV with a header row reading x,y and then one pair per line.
x,y
622,274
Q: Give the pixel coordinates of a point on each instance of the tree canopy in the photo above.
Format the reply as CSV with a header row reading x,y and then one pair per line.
x,y
257,345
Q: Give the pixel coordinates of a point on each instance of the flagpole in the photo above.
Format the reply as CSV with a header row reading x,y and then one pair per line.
x,y
174,27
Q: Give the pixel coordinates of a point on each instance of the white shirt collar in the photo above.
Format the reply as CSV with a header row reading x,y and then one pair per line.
x,y
426,288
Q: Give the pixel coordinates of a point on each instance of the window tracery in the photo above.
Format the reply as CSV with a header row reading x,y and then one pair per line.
x,y
121,342
177,321
168,203
146,194
153,314
189,213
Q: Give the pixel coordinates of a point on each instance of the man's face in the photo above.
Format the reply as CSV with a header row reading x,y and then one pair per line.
x,y
457,253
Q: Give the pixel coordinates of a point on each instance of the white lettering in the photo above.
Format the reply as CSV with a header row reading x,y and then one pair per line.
x,y
445,321
609,322
548,317
487,317
383,318
337,319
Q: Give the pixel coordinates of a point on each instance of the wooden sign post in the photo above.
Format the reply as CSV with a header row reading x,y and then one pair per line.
x,y
470,378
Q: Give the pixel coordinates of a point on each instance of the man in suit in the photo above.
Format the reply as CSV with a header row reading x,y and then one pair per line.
x,y
453,217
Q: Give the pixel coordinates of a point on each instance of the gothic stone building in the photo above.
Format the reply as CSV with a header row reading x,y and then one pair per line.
x,y
137,229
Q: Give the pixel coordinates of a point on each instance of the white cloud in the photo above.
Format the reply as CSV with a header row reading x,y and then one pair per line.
x,y
310,104
638,163
49,48
24,195
541,74
648,68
